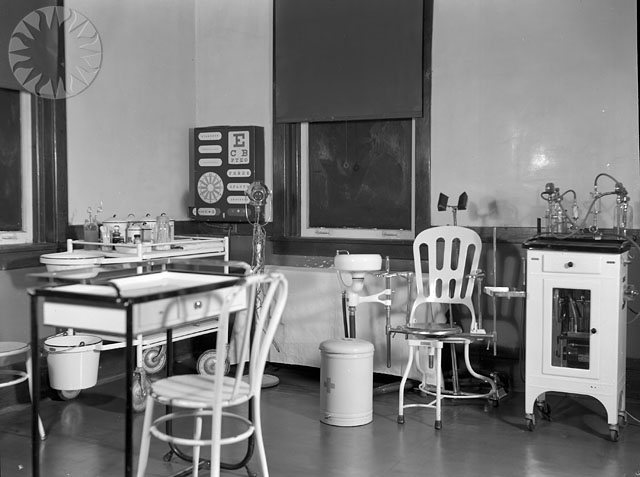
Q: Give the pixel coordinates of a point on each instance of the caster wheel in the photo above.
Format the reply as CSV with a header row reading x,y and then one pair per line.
x,y
622,419
68,394
545,409
614,435
139,393
208,361
400,419
154,359
531,424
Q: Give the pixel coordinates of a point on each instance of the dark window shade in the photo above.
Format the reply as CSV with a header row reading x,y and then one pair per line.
x,y
348,59
11,13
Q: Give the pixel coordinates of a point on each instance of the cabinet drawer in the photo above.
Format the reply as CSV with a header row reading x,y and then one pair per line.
x,y
572,263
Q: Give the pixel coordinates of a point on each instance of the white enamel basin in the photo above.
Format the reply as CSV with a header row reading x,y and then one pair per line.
x,y
358,262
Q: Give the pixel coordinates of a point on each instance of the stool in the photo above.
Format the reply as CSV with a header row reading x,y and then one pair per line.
x,y
346,382
13,348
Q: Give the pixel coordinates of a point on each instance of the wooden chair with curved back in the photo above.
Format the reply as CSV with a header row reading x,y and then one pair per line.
x,y
201,396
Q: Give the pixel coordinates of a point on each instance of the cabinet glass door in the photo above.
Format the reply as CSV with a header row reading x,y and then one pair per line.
x,y
571,328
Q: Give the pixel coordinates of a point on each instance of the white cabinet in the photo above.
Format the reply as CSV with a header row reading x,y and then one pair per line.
x,y
576,326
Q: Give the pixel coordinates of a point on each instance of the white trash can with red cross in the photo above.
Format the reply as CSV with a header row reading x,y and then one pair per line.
x,y
346,382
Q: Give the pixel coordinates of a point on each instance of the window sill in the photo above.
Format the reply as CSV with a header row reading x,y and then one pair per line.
x,y
400,249
24,256
327,247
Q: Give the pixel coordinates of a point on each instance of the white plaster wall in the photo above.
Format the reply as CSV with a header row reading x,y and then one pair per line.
x,y
233,66
530,92
128,133
168,66
15,304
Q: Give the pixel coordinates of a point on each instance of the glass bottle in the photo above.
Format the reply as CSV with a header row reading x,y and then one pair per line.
x,y
622,216
116,236
163,233
558,219
91,233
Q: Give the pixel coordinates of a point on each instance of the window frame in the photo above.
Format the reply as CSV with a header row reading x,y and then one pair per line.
x,y
25,235
49,185
50,198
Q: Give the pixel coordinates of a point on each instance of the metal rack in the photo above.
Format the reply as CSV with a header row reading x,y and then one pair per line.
x,y
181,247
151,353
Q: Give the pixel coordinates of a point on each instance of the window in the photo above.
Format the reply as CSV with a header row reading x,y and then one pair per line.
x,y
290,234
47,202
16,215
357,179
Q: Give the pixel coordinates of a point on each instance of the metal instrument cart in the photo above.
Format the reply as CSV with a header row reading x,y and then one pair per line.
x,y
151,355
128,303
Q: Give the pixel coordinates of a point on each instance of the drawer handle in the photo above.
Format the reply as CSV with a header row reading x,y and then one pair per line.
x,y
197,305
569,265
593,331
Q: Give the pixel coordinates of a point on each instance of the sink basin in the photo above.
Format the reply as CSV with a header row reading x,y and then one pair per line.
x,y
358,262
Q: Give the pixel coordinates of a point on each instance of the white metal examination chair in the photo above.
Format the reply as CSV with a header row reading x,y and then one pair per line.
x,y
453,255
210,396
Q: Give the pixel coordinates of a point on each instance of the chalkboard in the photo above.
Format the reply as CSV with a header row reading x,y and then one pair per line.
x,y
360,174
10,166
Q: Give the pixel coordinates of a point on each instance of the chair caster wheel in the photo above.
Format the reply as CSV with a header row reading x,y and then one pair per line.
x,y
400,419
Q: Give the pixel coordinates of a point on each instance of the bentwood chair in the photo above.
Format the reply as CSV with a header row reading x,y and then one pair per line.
x,y
16,376
201,396
453,256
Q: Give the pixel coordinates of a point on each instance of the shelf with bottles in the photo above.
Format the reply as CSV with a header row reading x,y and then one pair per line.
x,y
131,252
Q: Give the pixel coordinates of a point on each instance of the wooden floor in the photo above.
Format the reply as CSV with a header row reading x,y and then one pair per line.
x,y
86,437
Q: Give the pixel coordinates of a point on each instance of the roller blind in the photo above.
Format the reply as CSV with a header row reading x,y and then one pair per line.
x,y
347,59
